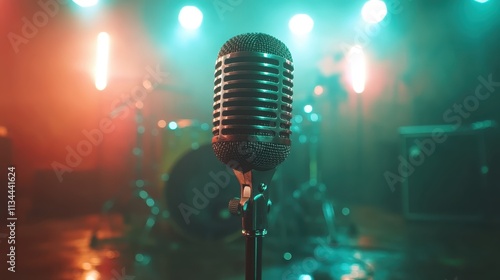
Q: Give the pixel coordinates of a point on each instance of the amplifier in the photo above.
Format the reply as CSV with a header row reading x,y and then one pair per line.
x,y
446,172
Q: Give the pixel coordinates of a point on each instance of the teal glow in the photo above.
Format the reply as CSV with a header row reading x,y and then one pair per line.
x,y
150,222
155,210
346,211
224,214
165,177
314,117
137,151
485,169
143,194
150,202
287,256
172,125
308,108
141,129
165,214
139,183
139,257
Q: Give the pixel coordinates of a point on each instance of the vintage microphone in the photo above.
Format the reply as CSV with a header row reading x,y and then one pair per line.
x,y
253,90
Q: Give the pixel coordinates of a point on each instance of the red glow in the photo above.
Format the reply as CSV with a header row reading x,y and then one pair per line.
x,y
162,123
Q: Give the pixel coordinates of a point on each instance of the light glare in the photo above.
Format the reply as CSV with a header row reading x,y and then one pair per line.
x,y
357,68
101,71
301,24
86,3
374,11
190,17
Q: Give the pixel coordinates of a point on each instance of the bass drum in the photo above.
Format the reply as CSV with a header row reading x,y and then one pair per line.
x,y
197,194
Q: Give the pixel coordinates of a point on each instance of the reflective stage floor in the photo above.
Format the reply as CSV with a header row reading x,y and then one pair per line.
x,y
371,244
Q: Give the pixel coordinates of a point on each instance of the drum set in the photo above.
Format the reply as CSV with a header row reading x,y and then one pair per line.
x,y
194,188
197,187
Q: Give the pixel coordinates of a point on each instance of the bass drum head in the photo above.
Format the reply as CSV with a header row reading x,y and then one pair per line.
x,y
197,194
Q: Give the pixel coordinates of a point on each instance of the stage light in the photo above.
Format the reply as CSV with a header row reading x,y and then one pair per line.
x,y
287,256
357,69
162,123
86,3
172,125
308,108
143,194
301,24
314,117
92,275
374,11
190,17
3,131
101,71
139,183
481,1
150,202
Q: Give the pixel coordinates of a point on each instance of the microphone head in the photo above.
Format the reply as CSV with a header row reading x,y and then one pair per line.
x,y
253,90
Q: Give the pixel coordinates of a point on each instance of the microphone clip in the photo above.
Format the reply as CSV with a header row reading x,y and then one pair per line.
x,y
254,204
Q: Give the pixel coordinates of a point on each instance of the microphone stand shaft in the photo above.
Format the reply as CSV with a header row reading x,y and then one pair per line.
x,y
253,248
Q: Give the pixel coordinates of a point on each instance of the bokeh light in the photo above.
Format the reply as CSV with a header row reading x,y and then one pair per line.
x,y
162,124
319,90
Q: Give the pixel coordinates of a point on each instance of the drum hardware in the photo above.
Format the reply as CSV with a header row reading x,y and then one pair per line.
x,y
139,191
196,195
310,194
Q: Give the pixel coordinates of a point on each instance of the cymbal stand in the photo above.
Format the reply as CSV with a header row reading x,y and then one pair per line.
x,y
139,184
314,184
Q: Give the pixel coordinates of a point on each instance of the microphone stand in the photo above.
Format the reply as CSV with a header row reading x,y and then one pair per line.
x,y
253,207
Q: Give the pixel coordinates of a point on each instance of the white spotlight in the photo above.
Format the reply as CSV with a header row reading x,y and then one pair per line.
x,y
86,3
374,11
301,24
357,69
101,69
190,17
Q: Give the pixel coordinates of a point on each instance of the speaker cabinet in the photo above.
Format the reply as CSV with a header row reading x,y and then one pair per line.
x,y
445,173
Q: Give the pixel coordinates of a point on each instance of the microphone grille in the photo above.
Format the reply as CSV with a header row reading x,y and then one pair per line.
x,y
256,42
251,155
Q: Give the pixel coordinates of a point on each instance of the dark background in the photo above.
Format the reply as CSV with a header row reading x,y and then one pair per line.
x,y
425,57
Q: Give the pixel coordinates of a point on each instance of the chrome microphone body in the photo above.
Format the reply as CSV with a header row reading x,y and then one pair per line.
x,y
253,94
